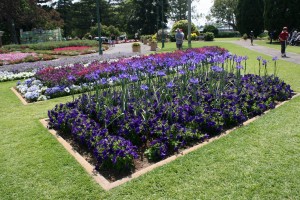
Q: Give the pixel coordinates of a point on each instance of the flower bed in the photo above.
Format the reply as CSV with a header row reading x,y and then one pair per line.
x,y
163,108
68,80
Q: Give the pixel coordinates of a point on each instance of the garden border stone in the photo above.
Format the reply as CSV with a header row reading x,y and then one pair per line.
x,y
106,185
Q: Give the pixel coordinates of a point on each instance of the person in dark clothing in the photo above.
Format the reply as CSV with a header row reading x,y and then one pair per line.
x,y
251,35
283,36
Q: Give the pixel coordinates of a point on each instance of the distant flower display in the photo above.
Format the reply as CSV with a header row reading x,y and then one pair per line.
x,y
15,56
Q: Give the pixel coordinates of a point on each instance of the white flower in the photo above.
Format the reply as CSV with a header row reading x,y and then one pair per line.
x,y
67,90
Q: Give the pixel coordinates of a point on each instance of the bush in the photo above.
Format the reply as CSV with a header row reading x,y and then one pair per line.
x,y
245,36
183,24
210,28
228,34
172,37
193,36
209,36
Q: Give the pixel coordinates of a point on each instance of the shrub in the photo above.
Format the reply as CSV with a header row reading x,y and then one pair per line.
x,y
136,44
209,36
183,24
210,28
194,36
228,34
245,36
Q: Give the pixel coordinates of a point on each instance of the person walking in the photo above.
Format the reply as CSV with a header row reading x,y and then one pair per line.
x,y
251,35
179,39
283,36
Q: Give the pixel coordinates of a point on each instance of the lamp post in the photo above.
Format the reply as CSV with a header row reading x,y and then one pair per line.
x,y
162,25
161,2
99,27
1,34
189,24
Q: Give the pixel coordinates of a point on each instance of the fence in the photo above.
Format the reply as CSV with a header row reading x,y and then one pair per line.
x,y
40,35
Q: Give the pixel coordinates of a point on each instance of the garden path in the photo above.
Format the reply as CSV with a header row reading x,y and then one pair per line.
x,y
291,57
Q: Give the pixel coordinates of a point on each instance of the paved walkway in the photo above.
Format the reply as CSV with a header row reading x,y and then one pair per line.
x,y
292,57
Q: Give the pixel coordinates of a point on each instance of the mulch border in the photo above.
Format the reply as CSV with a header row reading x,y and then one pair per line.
x,y
106,185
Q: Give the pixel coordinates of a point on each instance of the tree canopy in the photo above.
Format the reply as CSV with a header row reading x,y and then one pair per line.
x,y
250,16
225,11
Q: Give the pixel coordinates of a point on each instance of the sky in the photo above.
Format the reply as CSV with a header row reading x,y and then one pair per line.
x,y
203,6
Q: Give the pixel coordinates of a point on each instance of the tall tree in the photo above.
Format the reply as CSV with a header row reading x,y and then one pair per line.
x,y
179,9
25,14
146,15
225,12
250,16
64,7
280,13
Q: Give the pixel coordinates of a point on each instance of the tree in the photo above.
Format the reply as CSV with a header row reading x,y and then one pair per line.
x,y
179,9
250,16
147,17
25,14
280,13
225,11
183,24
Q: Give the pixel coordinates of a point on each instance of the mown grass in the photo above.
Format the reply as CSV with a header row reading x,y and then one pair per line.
x,y
258,161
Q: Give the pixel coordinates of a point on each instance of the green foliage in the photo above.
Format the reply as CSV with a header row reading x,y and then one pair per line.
x,y
225,11
211,28
245,36
209,36
136,44
183,24
105,30
250,16
228,34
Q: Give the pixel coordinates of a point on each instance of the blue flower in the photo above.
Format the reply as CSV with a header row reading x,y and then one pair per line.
x,y
161,73
144,87
134,78
216,69
170,84
239,67
194,80
275,58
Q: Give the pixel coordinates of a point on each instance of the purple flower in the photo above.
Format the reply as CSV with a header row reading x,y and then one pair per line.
x,y
239,67
103,81
134,78
170,84
194,80
192,68
264,62
181,72
259,58
275,58
161,73
216,69
71,78
123,76
144,87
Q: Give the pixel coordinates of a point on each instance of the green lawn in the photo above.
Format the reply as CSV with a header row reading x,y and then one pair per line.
x,y
258,161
